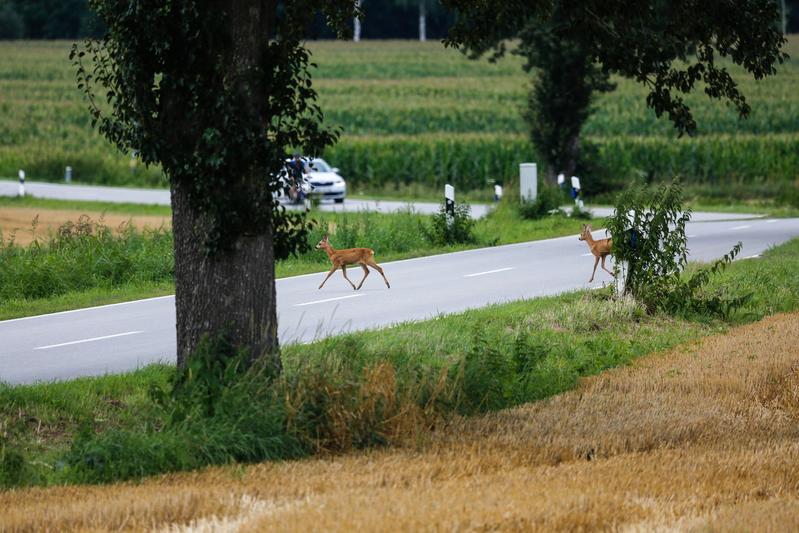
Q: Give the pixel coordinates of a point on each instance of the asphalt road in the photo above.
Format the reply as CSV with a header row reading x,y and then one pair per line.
x,y
161,197
124,336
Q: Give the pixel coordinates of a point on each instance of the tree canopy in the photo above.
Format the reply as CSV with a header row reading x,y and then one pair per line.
x,y
217,92
670,46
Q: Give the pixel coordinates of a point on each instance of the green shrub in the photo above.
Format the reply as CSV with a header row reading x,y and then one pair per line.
x,y
457,228
650,248
82,255
547,200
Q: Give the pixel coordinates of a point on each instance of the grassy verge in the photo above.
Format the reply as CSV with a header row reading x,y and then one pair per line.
x,y
356,390
701,437
85,206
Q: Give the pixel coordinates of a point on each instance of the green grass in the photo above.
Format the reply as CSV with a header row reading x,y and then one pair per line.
x,y
355,390
417,115
78,299
86,206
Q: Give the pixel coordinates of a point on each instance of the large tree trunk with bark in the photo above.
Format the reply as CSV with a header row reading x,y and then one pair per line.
x,y
356,25
422,21
230,291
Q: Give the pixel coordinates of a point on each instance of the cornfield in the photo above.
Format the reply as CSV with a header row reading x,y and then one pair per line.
x,y
417,113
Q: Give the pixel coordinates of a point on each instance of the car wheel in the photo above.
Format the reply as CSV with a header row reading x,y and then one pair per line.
x,y
339,200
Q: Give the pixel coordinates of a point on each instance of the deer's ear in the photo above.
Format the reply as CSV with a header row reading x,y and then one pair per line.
x,y
325,237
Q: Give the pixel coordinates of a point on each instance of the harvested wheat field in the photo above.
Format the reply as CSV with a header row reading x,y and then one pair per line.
x,y
28,223
705,437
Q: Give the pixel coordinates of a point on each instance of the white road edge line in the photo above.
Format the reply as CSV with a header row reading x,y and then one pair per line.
x,y
739,227
751,256
487,272
586,255
328,300
87,340
85,309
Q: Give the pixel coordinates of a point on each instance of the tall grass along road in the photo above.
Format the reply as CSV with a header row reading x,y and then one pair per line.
x,y
124,336
701,438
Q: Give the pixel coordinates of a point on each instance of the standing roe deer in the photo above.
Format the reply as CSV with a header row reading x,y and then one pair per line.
x,y
350,256
599,247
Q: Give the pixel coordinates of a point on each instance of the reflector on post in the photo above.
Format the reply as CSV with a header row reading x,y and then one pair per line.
x,y
449,203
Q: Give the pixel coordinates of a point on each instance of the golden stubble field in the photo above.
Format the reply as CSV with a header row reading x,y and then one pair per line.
x,y
704,437
25,224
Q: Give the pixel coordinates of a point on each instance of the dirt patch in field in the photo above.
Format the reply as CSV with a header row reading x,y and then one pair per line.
x,y
18,222
704,437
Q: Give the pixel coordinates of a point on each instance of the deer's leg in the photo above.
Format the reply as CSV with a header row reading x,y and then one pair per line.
x,y
371,263
596,262
365,273
603,266
344,271
328,276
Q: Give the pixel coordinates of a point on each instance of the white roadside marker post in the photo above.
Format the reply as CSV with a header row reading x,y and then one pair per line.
x,y
576,192
449,203
68,174
21,183
497,192
528,182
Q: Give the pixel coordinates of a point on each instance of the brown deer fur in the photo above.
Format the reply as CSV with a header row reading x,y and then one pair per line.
x,y
350,256
599,247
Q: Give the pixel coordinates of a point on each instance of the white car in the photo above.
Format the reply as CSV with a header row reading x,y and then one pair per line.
x,y
325,181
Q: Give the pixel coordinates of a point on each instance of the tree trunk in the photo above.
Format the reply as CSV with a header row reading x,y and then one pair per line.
x,y
570,157
231,292
356,25
422,21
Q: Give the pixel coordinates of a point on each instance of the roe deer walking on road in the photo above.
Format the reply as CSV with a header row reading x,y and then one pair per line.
x,y
350,256
600,248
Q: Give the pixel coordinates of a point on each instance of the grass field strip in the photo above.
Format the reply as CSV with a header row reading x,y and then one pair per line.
x,y
81,341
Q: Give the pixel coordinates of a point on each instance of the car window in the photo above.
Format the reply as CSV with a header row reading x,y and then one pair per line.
x,y
319,165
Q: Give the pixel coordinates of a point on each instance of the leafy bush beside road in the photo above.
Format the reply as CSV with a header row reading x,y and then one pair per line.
x,y
82,255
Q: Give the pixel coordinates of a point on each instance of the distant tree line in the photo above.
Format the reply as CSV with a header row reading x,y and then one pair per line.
x,y
73,19
47,19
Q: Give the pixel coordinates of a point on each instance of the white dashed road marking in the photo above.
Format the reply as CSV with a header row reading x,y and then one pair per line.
x,y
739,227
328,300
87,340
487,272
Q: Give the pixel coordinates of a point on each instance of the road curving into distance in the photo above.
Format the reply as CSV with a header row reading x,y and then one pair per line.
x,y
97,193
122,337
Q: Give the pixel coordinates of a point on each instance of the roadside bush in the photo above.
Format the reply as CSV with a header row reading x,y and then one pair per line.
x,y
13,471
547,200
455,229
650,251
83,255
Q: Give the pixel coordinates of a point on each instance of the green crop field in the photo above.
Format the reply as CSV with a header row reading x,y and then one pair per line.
x,y
415,115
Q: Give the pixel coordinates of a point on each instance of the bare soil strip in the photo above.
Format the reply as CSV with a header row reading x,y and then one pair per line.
x,y
19,221
704,437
